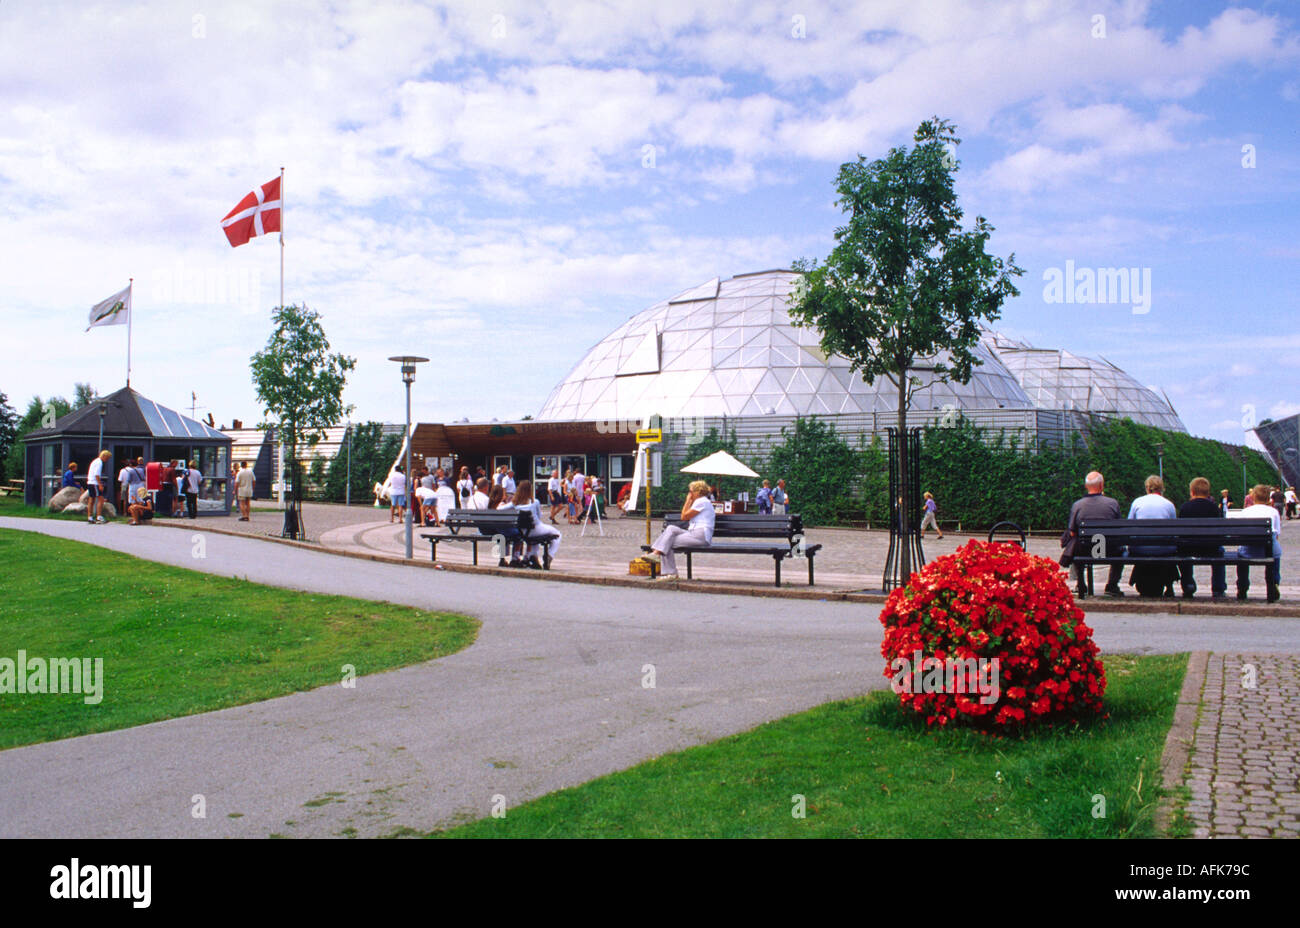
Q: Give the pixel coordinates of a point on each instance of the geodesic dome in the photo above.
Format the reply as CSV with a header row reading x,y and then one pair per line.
x,y
728,348
1056,379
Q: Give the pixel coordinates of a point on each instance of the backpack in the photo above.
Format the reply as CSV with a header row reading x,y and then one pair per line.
x,y
525,522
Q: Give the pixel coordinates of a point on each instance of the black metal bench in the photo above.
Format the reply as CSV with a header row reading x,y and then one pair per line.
x,y
1113,539
486,526
783,538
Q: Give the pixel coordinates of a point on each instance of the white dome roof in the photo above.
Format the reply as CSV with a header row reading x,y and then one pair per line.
x,y
1056,379
728,348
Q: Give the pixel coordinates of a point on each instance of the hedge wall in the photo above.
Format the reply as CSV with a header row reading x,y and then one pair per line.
x,y
979,477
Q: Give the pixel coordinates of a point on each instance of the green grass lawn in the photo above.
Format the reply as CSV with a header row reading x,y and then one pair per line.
x,y
866,769
14,506
175,642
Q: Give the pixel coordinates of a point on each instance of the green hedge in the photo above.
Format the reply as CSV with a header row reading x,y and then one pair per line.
x,y
978,476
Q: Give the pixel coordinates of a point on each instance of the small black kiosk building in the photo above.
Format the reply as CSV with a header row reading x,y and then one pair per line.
x,y
131,426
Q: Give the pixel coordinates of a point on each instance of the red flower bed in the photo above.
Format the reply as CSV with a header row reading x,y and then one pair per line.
x,y
1008,614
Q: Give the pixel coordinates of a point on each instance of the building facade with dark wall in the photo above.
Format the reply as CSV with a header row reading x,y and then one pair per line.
x,y
531,449
132,426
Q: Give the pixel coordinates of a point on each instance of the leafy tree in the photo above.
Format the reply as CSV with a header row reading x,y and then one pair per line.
x,y
372,456
82,394
301,384
40,413
673,492
819,469
8,433
905,283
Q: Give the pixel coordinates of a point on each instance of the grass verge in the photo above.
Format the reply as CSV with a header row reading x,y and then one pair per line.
x,y
865,769
175,642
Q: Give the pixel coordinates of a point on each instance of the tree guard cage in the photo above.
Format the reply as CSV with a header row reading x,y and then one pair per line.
x,y
912,505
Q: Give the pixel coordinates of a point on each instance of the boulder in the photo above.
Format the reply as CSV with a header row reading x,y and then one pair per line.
x,y
80,509
60,500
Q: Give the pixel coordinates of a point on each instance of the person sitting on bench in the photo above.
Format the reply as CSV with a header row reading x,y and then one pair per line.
x,y
1153,580
698,511
540,531
1093,505
1200,506
1256,505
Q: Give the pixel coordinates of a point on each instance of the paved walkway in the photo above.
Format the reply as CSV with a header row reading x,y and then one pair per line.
x,y
549,696
1245,758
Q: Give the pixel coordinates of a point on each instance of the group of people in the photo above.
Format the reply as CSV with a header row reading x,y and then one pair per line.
x,y
435,496
772,500
1157,580
178,489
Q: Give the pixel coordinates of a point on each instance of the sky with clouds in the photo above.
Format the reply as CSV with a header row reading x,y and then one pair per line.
x,y
497,185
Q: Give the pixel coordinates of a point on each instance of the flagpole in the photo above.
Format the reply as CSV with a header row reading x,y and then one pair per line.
x,y
281,235
130,312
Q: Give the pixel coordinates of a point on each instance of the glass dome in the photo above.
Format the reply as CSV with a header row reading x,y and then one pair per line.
x,y
727,348
1056,379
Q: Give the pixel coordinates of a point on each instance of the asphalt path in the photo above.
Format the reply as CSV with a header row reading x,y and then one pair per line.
x,y
552,694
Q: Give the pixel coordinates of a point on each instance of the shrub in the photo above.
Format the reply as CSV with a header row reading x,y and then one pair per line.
x,y
819,469
991,603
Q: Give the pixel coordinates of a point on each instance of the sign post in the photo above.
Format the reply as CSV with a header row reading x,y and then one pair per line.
x,y
645,438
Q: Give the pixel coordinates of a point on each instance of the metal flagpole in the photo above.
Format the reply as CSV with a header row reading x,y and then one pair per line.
x,y
130,313
282,235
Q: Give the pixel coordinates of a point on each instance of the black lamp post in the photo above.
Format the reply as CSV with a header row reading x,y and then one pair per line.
x,y
1160,459
408,363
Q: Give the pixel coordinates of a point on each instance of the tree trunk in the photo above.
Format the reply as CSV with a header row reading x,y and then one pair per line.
x,y
905,554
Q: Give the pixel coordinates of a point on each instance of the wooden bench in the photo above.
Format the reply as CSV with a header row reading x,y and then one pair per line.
x,y
1191,539
486,526
12,487
778,537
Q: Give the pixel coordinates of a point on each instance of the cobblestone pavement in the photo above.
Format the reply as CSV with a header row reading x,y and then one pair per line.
x,y
1245,756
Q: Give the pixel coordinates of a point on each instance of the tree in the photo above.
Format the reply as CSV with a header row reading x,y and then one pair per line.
x,y
40,414
301,385
82,394
675,483
372,456
8,433
905,283
819,469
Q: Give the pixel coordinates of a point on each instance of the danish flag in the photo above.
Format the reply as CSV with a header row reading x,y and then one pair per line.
x,y
255,214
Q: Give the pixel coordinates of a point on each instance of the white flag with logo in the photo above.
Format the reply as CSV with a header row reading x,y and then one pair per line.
x,y
113,311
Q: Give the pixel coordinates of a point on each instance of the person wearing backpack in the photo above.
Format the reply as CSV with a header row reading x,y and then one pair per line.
x,y
465,489
931,507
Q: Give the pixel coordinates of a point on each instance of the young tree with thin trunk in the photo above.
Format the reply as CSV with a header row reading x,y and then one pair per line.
x,y
300,383
905,282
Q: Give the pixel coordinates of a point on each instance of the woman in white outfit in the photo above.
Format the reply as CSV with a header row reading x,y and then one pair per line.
x,y
541,531
698,511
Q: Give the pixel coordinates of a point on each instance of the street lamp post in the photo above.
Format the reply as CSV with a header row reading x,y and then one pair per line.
x,y
1160,459
347,492
408,363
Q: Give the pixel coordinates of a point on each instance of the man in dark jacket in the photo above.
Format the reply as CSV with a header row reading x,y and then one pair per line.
x,y
1200,506
1094,505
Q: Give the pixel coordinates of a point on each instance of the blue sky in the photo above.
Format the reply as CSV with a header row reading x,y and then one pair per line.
x,y
471,182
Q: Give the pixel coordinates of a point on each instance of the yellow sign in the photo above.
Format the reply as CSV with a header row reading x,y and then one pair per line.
x,y
649,436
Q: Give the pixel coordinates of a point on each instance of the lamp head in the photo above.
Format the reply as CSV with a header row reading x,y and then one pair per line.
x,y
408,363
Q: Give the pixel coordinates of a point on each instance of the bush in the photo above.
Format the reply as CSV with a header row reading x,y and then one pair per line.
x,y
819,469
1013,615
